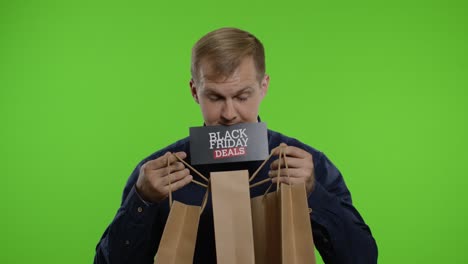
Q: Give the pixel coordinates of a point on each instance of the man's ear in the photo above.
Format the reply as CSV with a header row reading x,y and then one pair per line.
x,y
264,85
193,90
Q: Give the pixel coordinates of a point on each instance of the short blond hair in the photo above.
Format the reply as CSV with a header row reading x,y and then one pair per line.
x,y
224,49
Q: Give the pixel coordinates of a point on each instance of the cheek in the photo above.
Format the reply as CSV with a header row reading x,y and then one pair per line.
x,y
248,111
210,110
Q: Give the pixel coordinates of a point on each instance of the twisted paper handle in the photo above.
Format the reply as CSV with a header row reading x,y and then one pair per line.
x,y
282,155
207,186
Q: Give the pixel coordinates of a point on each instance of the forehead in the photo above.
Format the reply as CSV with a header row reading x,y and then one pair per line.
x,y
245,73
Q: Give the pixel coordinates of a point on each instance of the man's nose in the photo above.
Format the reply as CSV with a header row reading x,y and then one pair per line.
x,y
228,113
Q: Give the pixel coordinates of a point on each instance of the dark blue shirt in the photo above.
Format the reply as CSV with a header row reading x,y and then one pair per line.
x,y
340,234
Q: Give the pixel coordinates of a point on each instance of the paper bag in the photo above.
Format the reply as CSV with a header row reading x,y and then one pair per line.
x,y
232,217
177,245
266,213
282,229
296,230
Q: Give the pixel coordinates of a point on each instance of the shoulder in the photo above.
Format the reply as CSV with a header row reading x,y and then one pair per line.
x,y
319,158
276,138
326,172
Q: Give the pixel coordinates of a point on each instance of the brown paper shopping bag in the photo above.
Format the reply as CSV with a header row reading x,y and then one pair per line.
x,y
282,229
177,245
266,217
296,230
232,217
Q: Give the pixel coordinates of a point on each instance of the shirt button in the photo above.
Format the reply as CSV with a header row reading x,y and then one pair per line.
x,y
127,242
140,209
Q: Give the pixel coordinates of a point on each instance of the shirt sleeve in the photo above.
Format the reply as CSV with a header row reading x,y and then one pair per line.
x,y
132,235
340,233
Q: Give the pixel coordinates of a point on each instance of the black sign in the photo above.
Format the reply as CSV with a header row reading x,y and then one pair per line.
x,y
223,144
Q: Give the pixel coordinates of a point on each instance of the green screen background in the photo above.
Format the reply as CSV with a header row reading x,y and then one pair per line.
x,y
89,88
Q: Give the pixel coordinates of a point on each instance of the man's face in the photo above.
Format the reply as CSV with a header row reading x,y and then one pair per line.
x,y
233,100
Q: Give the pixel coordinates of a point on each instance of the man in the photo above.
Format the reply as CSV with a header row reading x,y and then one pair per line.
x,y
229,83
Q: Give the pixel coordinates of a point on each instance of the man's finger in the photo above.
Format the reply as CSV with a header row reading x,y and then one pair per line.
x,y
291,151
163,172
294,173
276,151
179,184
281,180
180,154
161,162
296,152
158,163
292,163
287,180
176,176
176,166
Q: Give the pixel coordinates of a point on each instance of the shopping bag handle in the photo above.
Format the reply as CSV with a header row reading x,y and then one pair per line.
x,y
193,169
282,155
207,186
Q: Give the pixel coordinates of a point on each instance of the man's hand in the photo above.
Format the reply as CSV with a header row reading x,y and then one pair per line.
x,y
300,164
153,182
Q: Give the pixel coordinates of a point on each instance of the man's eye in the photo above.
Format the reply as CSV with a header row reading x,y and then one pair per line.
x,y
242,98
214,98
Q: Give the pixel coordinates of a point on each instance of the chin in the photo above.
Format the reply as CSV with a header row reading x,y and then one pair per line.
x,y
222,124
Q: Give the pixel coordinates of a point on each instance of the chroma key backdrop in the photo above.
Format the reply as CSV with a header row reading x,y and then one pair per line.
x,y
90,88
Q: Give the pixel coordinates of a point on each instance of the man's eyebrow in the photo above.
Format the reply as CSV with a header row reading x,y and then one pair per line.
x,y
209,91
246,89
